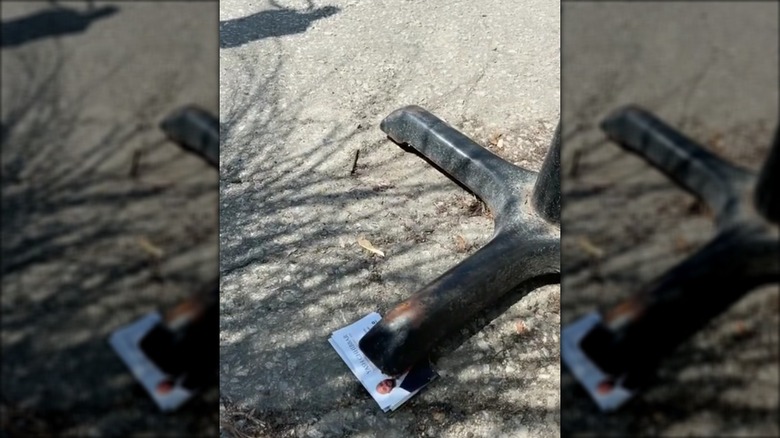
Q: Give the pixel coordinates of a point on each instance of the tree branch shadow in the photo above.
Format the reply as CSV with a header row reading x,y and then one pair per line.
x,y
73,265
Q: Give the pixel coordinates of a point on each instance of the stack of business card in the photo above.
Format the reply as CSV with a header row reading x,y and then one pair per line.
x,y
389,392
167,392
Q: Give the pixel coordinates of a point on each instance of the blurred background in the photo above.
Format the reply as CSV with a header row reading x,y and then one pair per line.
x,y
710,70
103,219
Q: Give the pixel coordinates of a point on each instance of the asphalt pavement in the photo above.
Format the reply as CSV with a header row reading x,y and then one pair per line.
x,y
304,86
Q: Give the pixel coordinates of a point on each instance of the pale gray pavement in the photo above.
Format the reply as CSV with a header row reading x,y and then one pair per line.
x,y
303,87
75,108
710,70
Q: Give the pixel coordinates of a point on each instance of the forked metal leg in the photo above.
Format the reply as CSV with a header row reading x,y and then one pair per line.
x,y
612,352
525,244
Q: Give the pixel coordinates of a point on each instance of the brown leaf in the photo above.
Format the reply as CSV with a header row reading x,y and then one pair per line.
x,y
150,248
362,241
590,248
460,244
521,328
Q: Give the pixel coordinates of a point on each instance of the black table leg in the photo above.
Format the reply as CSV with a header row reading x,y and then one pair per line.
x,y
525,245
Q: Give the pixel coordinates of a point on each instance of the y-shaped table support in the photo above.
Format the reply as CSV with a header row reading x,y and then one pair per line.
x,y
613,353
525,244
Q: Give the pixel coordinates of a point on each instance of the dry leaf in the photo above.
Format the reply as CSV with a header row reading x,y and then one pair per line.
x,y
521,328
494,138
152,249
715,141
590,248
460,244
682,245
362,241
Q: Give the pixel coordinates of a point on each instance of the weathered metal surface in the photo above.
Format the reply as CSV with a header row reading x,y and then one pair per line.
x,y
525,245
196,131
633,336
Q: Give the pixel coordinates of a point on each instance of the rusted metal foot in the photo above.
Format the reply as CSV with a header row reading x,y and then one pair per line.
x,y
525,244
185,344
612,353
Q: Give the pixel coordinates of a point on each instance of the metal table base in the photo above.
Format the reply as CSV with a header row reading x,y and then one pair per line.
x,y
525,244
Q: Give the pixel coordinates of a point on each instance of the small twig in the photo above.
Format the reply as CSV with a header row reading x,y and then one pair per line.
x,y
135,166
575,163
354,163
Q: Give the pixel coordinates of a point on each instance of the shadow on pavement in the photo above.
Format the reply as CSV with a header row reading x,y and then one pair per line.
x,y
267,24
291,273
75,222
51,23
